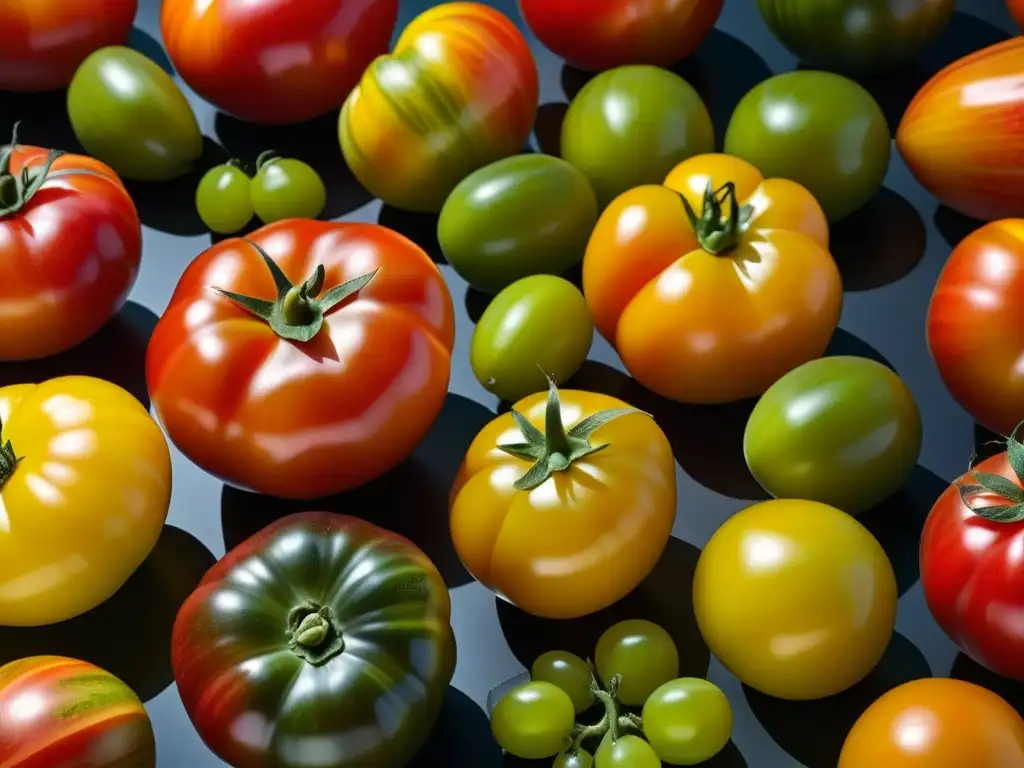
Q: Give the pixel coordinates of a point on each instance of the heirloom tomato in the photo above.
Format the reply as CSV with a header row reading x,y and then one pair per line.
x,y
275,62
85,480
961,135
322,640
46,40
305,360
975,324
63,713
595,36
599,481
70,243
458,92
713,304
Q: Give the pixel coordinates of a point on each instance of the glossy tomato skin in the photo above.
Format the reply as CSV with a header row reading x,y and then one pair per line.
x,y
81,715
275,62
409,145
79,239
975,327
594,36
46,40
700,328
304,419
91,490
368,693
961,136
607,518
936,723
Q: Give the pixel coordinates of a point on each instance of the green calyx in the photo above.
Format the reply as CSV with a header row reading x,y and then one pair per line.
x,y
314,634
988,485
8,460
554,449
17,189
298,312
716,231
614,723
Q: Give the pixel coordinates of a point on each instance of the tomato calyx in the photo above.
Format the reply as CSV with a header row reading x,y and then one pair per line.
x,y
8,461
17,189
988,484
717,232
298,313
614,723
314,634
554,449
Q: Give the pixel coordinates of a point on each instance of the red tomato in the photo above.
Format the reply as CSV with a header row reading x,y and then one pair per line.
x,y
595,36
46,40
255,404
69,251
1017,10
976,324
275,62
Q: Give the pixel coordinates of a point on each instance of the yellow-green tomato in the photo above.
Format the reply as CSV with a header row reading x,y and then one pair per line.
x,y
627,751
533,721
641,653
284,188
687,721
538,326
841,430
224,199
569,672
578,759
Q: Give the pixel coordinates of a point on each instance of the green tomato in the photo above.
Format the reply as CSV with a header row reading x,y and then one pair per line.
x,y
627,751
844,431
129,113
524,215
579,759
533,721
817,129
569,672
286,189
632,125
224,199
687,721
538,325
643,654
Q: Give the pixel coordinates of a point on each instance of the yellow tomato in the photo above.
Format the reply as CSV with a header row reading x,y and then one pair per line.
x,y
584,527
796,598
83,503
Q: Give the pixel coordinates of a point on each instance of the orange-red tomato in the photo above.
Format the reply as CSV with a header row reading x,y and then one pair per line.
x,y
701,327
1017,10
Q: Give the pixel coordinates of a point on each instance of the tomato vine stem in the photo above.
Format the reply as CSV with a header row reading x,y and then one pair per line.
x,y
16,189
717,232
992,486
613,723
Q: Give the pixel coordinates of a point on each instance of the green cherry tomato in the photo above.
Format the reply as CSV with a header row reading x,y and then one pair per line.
x,y
627,751
538,325
643,654
579,759
224,199
533,721
284,188
687,721
569,672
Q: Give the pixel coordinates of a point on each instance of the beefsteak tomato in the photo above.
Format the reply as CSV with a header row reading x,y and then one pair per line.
x,y
458,92
70,243
713,306
961,135
599,481
63,712
85,481
321,640
275,62
308,389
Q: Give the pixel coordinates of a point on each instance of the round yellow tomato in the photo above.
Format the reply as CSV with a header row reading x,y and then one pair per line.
x,y
565,504
85,481
796,598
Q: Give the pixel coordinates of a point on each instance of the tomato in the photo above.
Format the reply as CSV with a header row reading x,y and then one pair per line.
x,y
70,243
533,721
687,721
286,189
569,672
224,198
642,654
578,759
607,515
936,723
85,481
46,40
1017,11
777,603
64,712
320,640
716,315
844,431
818,129
610,34
273,61
458,92
977,100
627,751
521,216
338,386
631,126
975,326
129,113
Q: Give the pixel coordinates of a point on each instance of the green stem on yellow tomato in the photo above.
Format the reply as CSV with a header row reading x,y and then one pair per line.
x,y
717,232
8,460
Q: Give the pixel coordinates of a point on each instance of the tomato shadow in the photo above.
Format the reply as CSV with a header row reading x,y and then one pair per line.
x,y
129,634
547,127
476,304
970,671
461,736
955,226
813,732
143,42
421,228
845,343
43,119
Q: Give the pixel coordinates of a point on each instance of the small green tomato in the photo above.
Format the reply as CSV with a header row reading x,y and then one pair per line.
x,y
285,188
224,198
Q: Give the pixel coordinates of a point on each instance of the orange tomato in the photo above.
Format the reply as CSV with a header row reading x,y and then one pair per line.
x,y
716,315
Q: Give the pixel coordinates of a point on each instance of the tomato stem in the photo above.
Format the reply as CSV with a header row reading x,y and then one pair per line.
x,y
266,158
991,487
17,189
717,232
314,633
613,722
8,460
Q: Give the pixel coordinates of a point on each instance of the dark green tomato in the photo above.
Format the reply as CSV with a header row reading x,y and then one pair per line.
x,y
569,672
644,656
224,199
856,35
322,640
533,721
287,189
627,751
129,113
844,431
632,125
818,129
578,759
687,721
524,215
